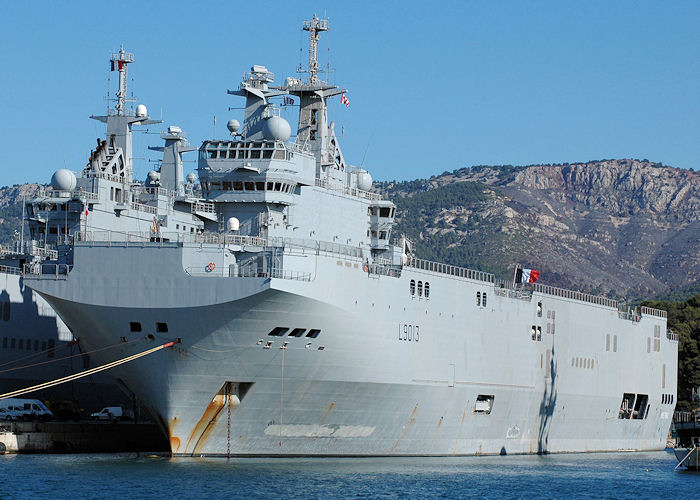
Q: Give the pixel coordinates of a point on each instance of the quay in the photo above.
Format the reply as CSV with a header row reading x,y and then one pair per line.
x,y
81,437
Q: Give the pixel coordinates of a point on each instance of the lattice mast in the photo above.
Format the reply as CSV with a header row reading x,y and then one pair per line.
x,y
314,26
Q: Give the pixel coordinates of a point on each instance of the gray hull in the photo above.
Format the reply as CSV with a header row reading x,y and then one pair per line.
x,y
367,385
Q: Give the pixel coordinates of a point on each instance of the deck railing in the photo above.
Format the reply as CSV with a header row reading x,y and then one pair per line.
x,y
439,267
650,311
571,294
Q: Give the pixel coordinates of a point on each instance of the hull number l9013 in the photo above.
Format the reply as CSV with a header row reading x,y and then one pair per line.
x,y
409,333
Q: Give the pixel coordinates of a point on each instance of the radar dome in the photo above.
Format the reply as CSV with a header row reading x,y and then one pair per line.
x,y
364,180
141,111
233,126
232,224
277,128
191,178
63,180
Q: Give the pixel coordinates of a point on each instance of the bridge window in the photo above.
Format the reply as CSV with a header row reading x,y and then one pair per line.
x,y
313,333
227,185
384,211
249,186
260,186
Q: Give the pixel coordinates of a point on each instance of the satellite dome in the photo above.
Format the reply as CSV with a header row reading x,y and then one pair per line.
x,y
63,180
141,111
191,178
233,126
153,178
364,180
233,224
277,128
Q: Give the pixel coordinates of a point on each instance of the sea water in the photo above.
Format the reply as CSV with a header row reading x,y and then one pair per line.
x,y
127,476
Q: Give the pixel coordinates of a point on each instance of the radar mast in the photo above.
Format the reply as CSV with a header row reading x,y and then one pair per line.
x,y
120,61
314,26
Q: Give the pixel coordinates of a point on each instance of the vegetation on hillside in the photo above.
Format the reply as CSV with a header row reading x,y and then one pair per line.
x,y
684,320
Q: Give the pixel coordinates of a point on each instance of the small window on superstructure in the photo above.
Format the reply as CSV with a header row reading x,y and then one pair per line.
x,y
249,186
313,333
539,310
533,332
177,226
427,289
382,235
297,332
412,287
237,186
420,288
483,299
278,155
384,211
260,186
270,186
478,299
278,186
162,327
267,154
192,230
227,185
134,326
212,154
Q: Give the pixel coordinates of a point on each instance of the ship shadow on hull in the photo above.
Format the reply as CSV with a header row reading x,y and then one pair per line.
x,y
549,401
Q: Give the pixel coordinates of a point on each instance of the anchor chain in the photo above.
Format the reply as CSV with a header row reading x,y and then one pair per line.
x,y
228,421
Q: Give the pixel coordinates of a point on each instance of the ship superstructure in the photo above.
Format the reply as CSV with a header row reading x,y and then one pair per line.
x,y
103,197
303,330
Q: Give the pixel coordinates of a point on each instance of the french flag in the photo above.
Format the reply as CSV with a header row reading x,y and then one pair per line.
x,y
526,275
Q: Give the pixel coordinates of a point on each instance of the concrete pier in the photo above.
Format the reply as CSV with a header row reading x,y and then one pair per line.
x,y
81,437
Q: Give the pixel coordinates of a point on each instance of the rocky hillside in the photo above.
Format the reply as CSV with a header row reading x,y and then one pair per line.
x,y
625,228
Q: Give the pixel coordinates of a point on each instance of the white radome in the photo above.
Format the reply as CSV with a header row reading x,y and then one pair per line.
x,y
364,180
141,111
277,128
63,180
191,178
233,125
233,224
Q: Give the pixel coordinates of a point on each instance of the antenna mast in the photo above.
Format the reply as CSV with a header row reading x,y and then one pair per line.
x,y
120,61
314,26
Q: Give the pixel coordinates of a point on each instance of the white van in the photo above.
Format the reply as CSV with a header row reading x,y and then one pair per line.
x,y
26,409
108,413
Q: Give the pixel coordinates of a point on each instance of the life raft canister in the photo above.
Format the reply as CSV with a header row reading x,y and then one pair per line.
x,y
210,267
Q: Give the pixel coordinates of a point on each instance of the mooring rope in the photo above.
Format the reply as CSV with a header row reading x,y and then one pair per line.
x,y
85,373
67,357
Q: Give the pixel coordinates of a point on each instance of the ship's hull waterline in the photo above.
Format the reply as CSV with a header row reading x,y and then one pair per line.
x,y
386,375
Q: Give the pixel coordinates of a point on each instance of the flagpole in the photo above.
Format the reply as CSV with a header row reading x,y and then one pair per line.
x,y
515,274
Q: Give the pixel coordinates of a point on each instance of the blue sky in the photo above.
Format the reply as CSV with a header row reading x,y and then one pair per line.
x,y
433,86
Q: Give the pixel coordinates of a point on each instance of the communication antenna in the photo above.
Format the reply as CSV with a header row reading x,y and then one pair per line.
x,y
120,61
314,26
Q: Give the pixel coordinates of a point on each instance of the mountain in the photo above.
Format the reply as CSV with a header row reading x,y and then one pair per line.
x,y
624,228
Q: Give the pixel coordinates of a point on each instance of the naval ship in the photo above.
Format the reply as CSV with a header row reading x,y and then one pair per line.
x,y
36,345
303,329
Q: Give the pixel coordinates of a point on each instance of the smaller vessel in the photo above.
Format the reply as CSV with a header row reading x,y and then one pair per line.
x,y
689,457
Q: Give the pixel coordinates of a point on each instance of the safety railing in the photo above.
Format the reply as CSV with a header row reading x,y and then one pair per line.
x,y
673,337
383,269
140,207
571,294
47,270
10,270
514,293
631,315
460,272
650,311
342,188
